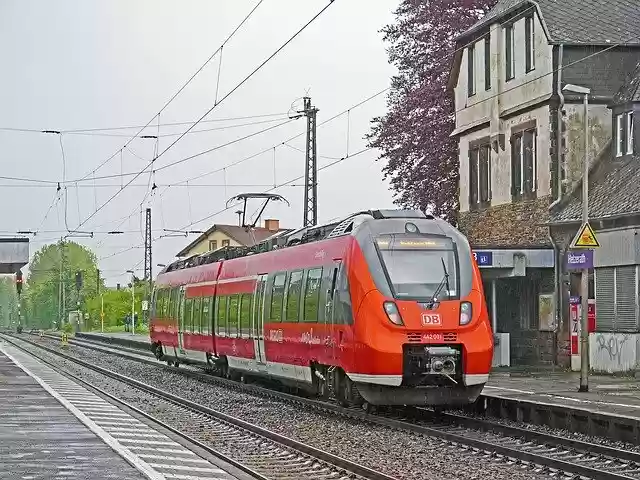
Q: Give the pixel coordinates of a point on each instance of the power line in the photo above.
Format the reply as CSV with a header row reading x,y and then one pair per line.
x,y
129,127
233,90
244,20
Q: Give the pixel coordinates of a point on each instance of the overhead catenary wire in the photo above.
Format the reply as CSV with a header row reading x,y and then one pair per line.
x,y
175,95
219,212
231,92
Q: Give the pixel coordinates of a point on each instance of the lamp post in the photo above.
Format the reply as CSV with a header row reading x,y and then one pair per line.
x,y
133,301
584,325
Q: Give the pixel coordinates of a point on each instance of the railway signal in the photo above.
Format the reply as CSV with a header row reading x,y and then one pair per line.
x,y
19,282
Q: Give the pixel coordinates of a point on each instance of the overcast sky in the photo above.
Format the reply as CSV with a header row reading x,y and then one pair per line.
x,y
77,64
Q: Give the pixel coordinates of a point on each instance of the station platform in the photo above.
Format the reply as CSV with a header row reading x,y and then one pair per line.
x,y
610,408
53,428
119,338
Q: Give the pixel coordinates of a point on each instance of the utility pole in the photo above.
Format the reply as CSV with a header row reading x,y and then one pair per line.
x,y
584,284
311,167
148,265
584,321
61,289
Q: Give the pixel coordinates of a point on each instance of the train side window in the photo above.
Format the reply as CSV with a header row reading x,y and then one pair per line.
x,y
245,314
188,310
312,295
206,318
159,313
277,297
221,320
197,313
174,310
233,315
293,296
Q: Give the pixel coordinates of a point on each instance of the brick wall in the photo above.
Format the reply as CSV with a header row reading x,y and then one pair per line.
x,y
531,347
514,224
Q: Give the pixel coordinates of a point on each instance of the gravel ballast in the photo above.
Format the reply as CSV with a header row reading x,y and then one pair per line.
x,y
404,455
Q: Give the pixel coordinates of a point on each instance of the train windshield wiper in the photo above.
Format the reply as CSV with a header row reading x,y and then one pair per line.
x,y
444,282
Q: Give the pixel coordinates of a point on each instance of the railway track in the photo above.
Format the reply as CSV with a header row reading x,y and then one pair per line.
x,y
259,452
560,455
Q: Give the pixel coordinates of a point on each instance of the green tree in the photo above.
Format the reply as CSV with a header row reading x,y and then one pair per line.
x,y
117,305
47,272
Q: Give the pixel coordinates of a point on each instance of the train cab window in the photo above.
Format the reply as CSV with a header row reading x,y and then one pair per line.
x,y
232,323
188,310
312,295
221,317
197,313
245,314
277,297
206,317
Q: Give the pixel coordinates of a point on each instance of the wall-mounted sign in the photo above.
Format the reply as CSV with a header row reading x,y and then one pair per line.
x,y
586,238
483,259
579,259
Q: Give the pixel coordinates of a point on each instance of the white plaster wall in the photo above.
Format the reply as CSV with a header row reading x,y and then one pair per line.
x,y
504,95
614,352
501,161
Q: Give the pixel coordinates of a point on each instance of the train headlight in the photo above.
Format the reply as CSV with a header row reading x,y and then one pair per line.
x,y
466,312
392,312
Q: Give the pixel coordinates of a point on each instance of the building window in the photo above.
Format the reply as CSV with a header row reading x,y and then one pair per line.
x,y
487,63
480,176
213,245
509,47
523,164
529,41
629,133
616,299
471,76
225,243
624,134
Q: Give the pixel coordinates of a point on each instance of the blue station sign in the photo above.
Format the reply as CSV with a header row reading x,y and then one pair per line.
x,y
483,259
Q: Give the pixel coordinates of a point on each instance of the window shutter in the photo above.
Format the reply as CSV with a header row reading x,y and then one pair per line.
x,y
473,177
605,299
515,165
626,318
528,152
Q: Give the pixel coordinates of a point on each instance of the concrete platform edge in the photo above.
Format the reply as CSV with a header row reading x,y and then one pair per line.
x,y
137,463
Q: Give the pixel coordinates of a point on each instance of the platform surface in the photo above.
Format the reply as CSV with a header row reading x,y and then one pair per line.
x,y
54,428
607,394
41,439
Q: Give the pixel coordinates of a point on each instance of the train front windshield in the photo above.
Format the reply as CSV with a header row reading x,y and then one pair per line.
x,y
420,268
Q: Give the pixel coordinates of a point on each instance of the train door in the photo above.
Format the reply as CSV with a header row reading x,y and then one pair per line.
x,y
331,312
181,322
258,319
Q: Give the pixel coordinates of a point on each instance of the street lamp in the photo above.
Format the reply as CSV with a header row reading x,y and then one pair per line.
x,y
133,301
584,325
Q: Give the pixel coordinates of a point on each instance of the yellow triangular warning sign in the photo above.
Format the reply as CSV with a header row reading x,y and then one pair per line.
x,y
586,238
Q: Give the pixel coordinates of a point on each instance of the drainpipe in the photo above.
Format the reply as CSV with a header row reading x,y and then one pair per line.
x,y
557,295
559,129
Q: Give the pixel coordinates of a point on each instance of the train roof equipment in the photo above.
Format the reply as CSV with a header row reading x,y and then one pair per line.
x,y
290,238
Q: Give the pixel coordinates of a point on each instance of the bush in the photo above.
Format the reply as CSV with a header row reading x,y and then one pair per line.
x,y
67,328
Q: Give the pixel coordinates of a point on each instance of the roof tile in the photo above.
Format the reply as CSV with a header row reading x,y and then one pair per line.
x,y
579,21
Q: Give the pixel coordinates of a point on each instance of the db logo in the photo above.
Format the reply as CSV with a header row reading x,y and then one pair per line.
x,y
431,319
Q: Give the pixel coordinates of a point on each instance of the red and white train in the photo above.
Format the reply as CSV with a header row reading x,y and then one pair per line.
x,y
385,307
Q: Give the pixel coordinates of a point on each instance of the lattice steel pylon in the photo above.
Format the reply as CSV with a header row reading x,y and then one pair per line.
x,y
311,167
148,266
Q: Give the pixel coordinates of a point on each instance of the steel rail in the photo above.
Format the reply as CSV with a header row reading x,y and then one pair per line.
x,y
321,455
446,426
